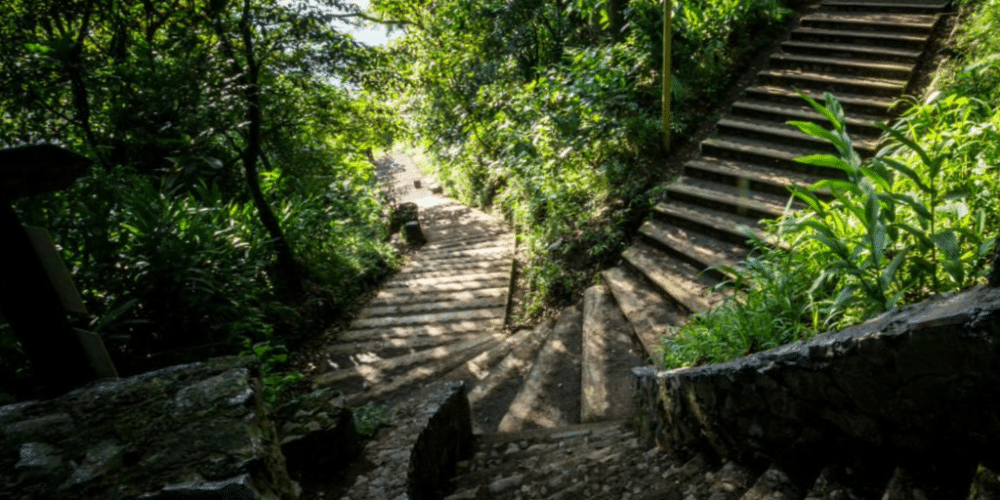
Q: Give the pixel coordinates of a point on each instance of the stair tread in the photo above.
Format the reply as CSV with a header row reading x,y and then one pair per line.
x,y
880,83
841,61
493,394
753,172
428,297
478,368
722,221
432,330
773,150
874,18
788,132
843,97
418,293
842,33
430,307
703,249
381,345
646,310
803,113
376,371
550,396
452,277
425,371
679,280
609,354
846,47
766,203
437,317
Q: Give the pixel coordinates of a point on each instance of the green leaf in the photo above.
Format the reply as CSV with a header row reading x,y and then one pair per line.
x,y
836,185
829,161
905,170
889,273
819,132
948,243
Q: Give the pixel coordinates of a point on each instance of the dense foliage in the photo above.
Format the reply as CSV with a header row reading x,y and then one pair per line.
x,y
549,110
917,220
231,202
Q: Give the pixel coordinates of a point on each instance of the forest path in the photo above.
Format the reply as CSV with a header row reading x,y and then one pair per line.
x,y
440,312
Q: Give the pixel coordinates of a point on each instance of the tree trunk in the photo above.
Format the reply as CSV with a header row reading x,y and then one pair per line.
x,y
251,92
616,18
667,71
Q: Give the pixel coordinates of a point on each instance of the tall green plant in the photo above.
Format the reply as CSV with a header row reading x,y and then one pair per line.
x,y
882,240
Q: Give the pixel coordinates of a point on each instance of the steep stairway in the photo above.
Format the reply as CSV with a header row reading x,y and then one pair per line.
x,y
551,405
866,53
605,461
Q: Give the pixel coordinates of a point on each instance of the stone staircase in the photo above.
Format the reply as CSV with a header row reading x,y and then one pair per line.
x,y
605,461
550,403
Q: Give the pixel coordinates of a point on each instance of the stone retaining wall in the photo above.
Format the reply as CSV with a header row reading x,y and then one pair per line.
x,y
188,431
924,379
416,459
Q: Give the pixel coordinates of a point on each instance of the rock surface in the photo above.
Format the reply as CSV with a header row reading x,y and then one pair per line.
x,y
317,434
918,380
189,431
417,457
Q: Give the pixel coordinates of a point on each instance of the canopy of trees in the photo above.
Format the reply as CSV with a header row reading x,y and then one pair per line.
x,y
231,199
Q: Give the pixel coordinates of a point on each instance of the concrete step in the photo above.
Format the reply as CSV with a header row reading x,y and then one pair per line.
x,y
904,24
387,348
418,280
438,330
446,270
905,7
880,87
774,133
491,397
477,369
404,383
380,371
422,293
699,250
859,125
852,102
609,354
674,278
751,150
749,176
550,396
437,317
851,51
842,66
650,315
481,240
882,39
494,251
721,224
432,307
754,204
498,292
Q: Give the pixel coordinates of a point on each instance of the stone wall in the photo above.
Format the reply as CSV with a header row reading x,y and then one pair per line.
x,y
919,380
415,460
196,431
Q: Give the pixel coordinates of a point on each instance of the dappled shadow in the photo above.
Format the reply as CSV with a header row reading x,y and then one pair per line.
x,y
441,218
